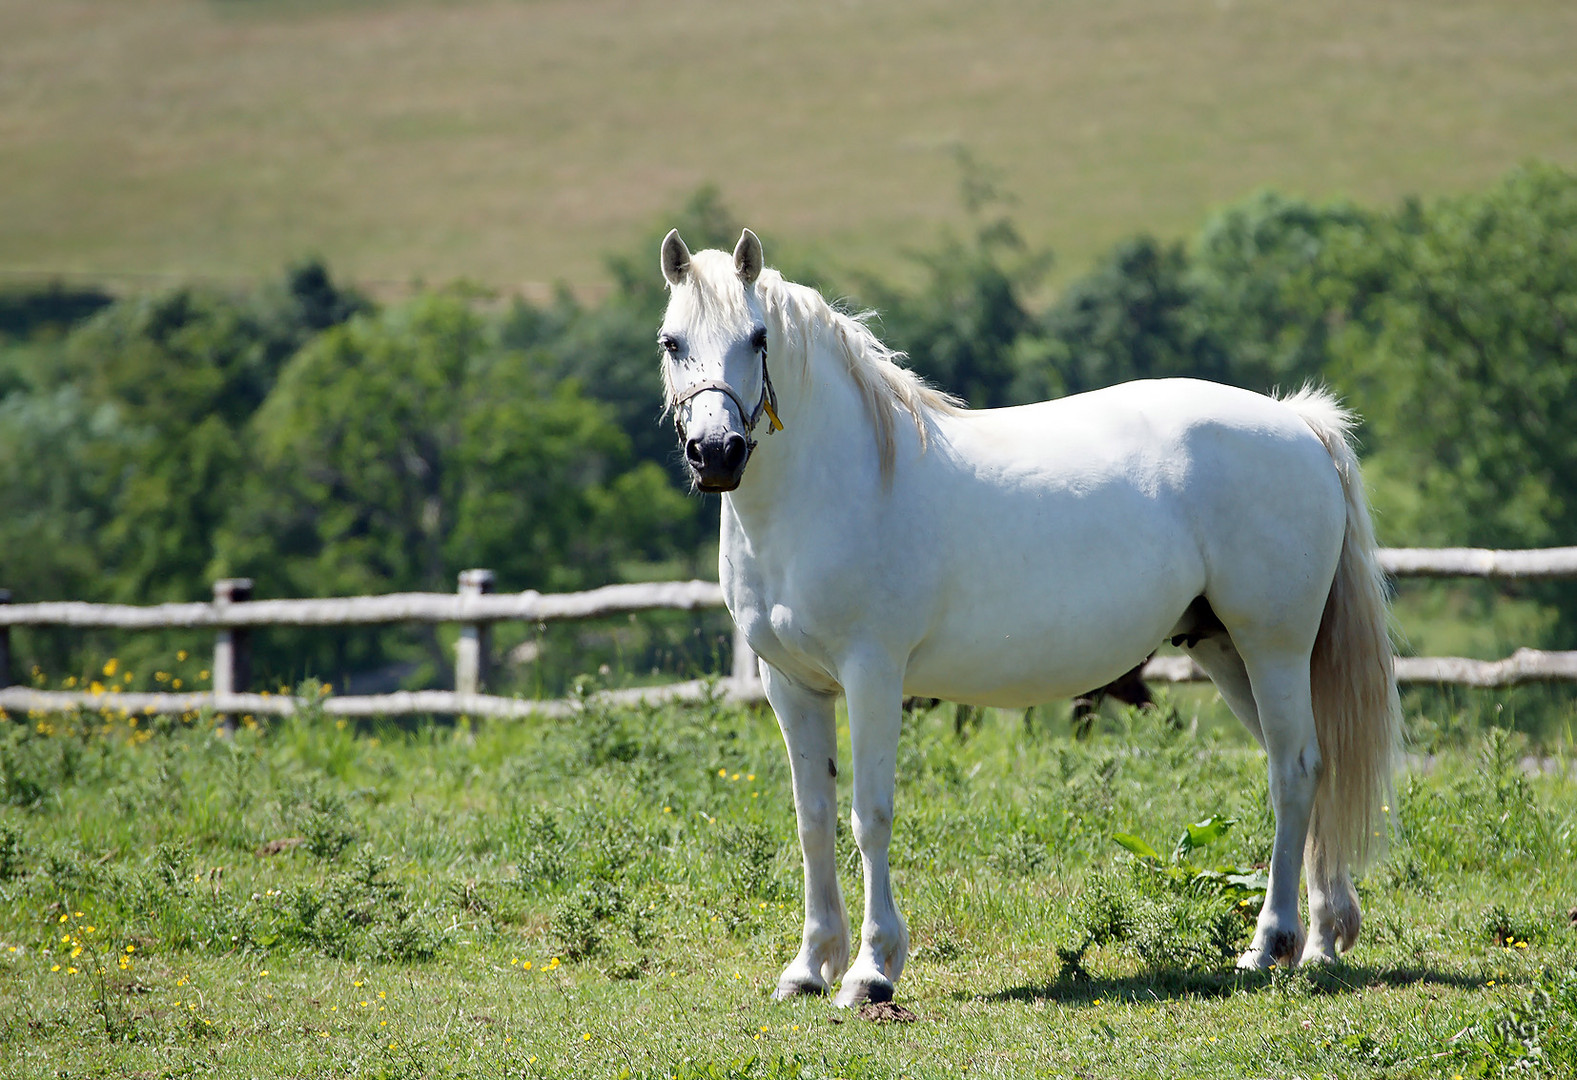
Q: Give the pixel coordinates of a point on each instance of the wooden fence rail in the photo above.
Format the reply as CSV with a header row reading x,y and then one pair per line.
x,y
1526,564
233,614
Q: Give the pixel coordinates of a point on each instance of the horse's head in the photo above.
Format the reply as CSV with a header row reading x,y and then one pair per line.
x,y
714,342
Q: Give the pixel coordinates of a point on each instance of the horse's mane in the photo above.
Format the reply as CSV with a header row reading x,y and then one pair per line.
x,y
799,316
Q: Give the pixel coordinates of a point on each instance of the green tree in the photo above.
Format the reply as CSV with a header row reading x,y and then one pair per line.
x,y
1243,304
1136,316
403,447
1458,338
57,506
609,348
964,326
149,401
1256,282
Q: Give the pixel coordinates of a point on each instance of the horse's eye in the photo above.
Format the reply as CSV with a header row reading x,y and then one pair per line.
x,y
758,340
671,344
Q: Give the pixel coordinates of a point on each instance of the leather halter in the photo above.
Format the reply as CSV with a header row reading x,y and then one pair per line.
x,y
768,404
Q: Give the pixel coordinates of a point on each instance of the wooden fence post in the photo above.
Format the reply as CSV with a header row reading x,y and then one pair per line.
x,y
5,643
232,645
470,651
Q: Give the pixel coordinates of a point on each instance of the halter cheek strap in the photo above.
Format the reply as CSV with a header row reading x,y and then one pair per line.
x,y
768,403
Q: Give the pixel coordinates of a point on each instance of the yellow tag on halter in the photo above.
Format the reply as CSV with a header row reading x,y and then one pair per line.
x,y
777,425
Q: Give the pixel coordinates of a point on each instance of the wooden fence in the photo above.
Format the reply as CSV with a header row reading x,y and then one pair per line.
x,y
233,614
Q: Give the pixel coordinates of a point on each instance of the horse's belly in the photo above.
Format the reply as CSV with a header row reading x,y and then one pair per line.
x,y
1006,670
1054,599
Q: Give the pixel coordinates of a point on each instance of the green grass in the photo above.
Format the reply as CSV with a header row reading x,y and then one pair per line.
x,y
652,854
518,141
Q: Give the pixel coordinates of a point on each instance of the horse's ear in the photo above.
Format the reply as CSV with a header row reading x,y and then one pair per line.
x,y
675,259
747,258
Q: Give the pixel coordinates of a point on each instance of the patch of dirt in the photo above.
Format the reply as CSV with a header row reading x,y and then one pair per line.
x,y
274,847
886,1012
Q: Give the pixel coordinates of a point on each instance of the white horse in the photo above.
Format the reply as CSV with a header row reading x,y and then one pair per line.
x,y
886,541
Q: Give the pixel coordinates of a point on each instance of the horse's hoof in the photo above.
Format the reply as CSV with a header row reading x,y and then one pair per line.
x,y
792,988
1315,956
1256,960
1272,947
857,993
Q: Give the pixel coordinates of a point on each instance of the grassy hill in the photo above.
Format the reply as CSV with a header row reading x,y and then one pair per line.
x,y
518,141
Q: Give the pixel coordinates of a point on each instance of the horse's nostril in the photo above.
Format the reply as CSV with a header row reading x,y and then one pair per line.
x,y
692,452
734,451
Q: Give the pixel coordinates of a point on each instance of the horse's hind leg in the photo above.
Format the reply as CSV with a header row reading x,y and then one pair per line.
x,y
1334,913
808,723
1268,689
1219,659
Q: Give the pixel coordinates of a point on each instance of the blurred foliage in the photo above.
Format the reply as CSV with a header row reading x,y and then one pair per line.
x,y
402,447
29,311
964,324
1458,334
323,445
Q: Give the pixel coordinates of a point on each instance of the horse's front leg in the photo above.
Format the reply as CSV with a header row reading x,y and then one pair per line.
x,y
809,724
875,696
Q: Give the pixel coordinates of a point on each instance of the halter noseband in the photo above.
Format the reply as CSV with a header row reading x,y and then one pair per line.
x,y
768,404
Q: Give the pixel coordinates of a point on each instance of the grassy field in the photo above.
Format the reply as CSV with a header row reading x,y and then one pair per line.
x,y
518,141
614,897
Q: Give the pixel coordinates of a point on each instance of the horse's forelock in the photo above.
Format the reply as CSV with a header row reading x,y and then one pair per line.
x,y
711,299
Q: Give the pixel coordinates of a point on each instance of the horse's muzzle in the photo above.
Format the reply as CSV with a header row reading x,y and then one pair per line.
x,y
718,461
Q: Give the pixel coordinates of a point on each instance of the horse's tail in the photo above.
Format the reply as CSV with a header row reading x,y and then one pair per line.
x,y
1357,714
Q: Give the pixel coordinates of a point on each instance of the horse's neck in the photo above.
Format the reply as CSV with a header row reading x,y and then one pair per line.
x,y
827,438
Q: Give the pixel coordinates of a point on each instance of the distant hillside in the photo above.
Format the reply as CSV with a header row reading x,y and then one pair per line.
x,y
520,140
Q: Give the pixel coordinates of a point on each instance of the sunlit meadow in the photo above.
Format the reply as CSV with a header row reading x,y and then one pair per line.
x,y
615,895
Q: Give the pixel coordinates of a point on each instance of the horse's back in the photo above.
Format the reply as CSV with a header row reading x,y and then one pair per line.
x,y
1129,418
1206,447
